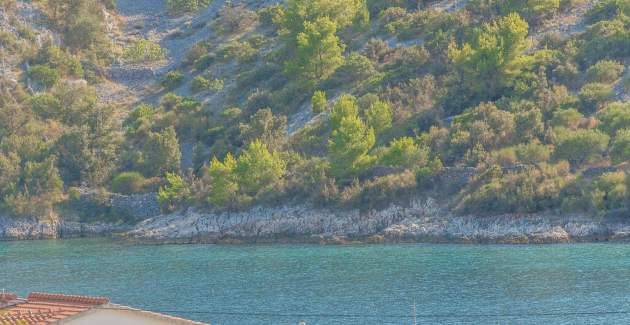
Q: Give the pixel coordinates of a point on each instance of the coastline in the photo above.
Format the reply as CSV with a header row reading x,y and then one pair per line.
x,y
419,222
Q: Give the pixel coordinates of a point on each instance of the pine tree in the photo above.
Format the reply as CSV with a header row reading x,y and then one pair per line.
x,y
379,117
349,145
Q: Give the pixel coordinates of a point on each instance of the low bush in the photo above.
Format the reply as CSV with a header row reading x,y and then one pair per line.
x,y
128,183
604,71
183,6
593,95
200,83
173,79
43,75
144,51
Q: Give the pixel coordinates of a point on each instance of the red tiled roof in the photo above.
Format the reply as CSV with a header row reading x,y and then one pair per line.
x,y
45,308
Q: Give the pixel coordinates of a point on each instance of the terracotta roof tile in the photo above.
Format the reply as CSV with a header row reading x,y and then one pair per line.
x,y
44,308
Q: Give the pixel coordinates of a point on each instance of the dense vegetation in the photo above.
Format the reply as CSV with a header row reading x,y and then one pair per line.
x,y
396,92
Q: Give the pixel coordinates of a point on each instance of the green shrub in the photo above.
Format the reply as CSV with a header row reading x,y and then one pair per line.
x,y
200,83
614,116
528,191
140,119
593,95
381,191
269,14
605,40
244,52
607,10
609,191
604,71
620,148
319,102
182,6
174,194
532,153
581,146
144,51
405,152
128,183
43,75
173,79
64,61
567,118
379,117
46,105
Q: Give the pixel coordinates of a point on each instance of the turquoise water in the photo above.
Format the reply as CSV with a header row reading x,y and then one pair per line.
x,y
450,284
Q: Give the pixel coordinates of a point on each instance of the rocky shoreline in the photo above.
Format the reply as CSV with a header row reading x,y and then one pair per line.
x,y
420,222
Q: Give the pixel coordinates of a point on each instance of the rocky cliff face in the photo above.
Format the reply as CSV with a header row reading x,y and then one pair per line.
x,y
422,221
34,228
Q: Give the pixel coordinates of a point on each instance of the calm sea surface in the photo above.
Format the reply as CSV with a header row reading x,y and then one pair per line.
x,y
450,284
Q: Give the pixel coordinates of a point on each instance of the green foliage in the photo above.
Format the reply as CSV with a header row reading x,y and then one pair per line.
x,y
342,13
81,24
224,186
495,58
128,183
160,153
566,118
581,146
348,146
319,103
60,60
529,124
139,120
345,106
379,117
534,11
200,83
182,6
265,127
309,30
39,188
620,148
593,95
615,116
43,75
173,79
318,52
609,191
404,152
234,182
144,51
531,190
605,40
607,10
604,71
88,152
174,194
46,105
244,52
257,168
532,153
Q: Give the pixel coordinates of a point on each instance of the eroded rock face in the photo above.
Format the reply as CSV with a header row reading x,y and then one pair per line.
x,y
33,228
422,221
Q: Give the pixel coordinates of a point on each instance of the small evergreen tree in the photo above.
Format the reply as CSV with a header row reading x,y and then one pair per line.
x,y
379,117
319,102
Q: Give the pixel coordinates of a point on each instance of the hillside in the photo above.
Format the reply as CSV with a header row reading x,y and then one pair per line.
x,y
489,107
